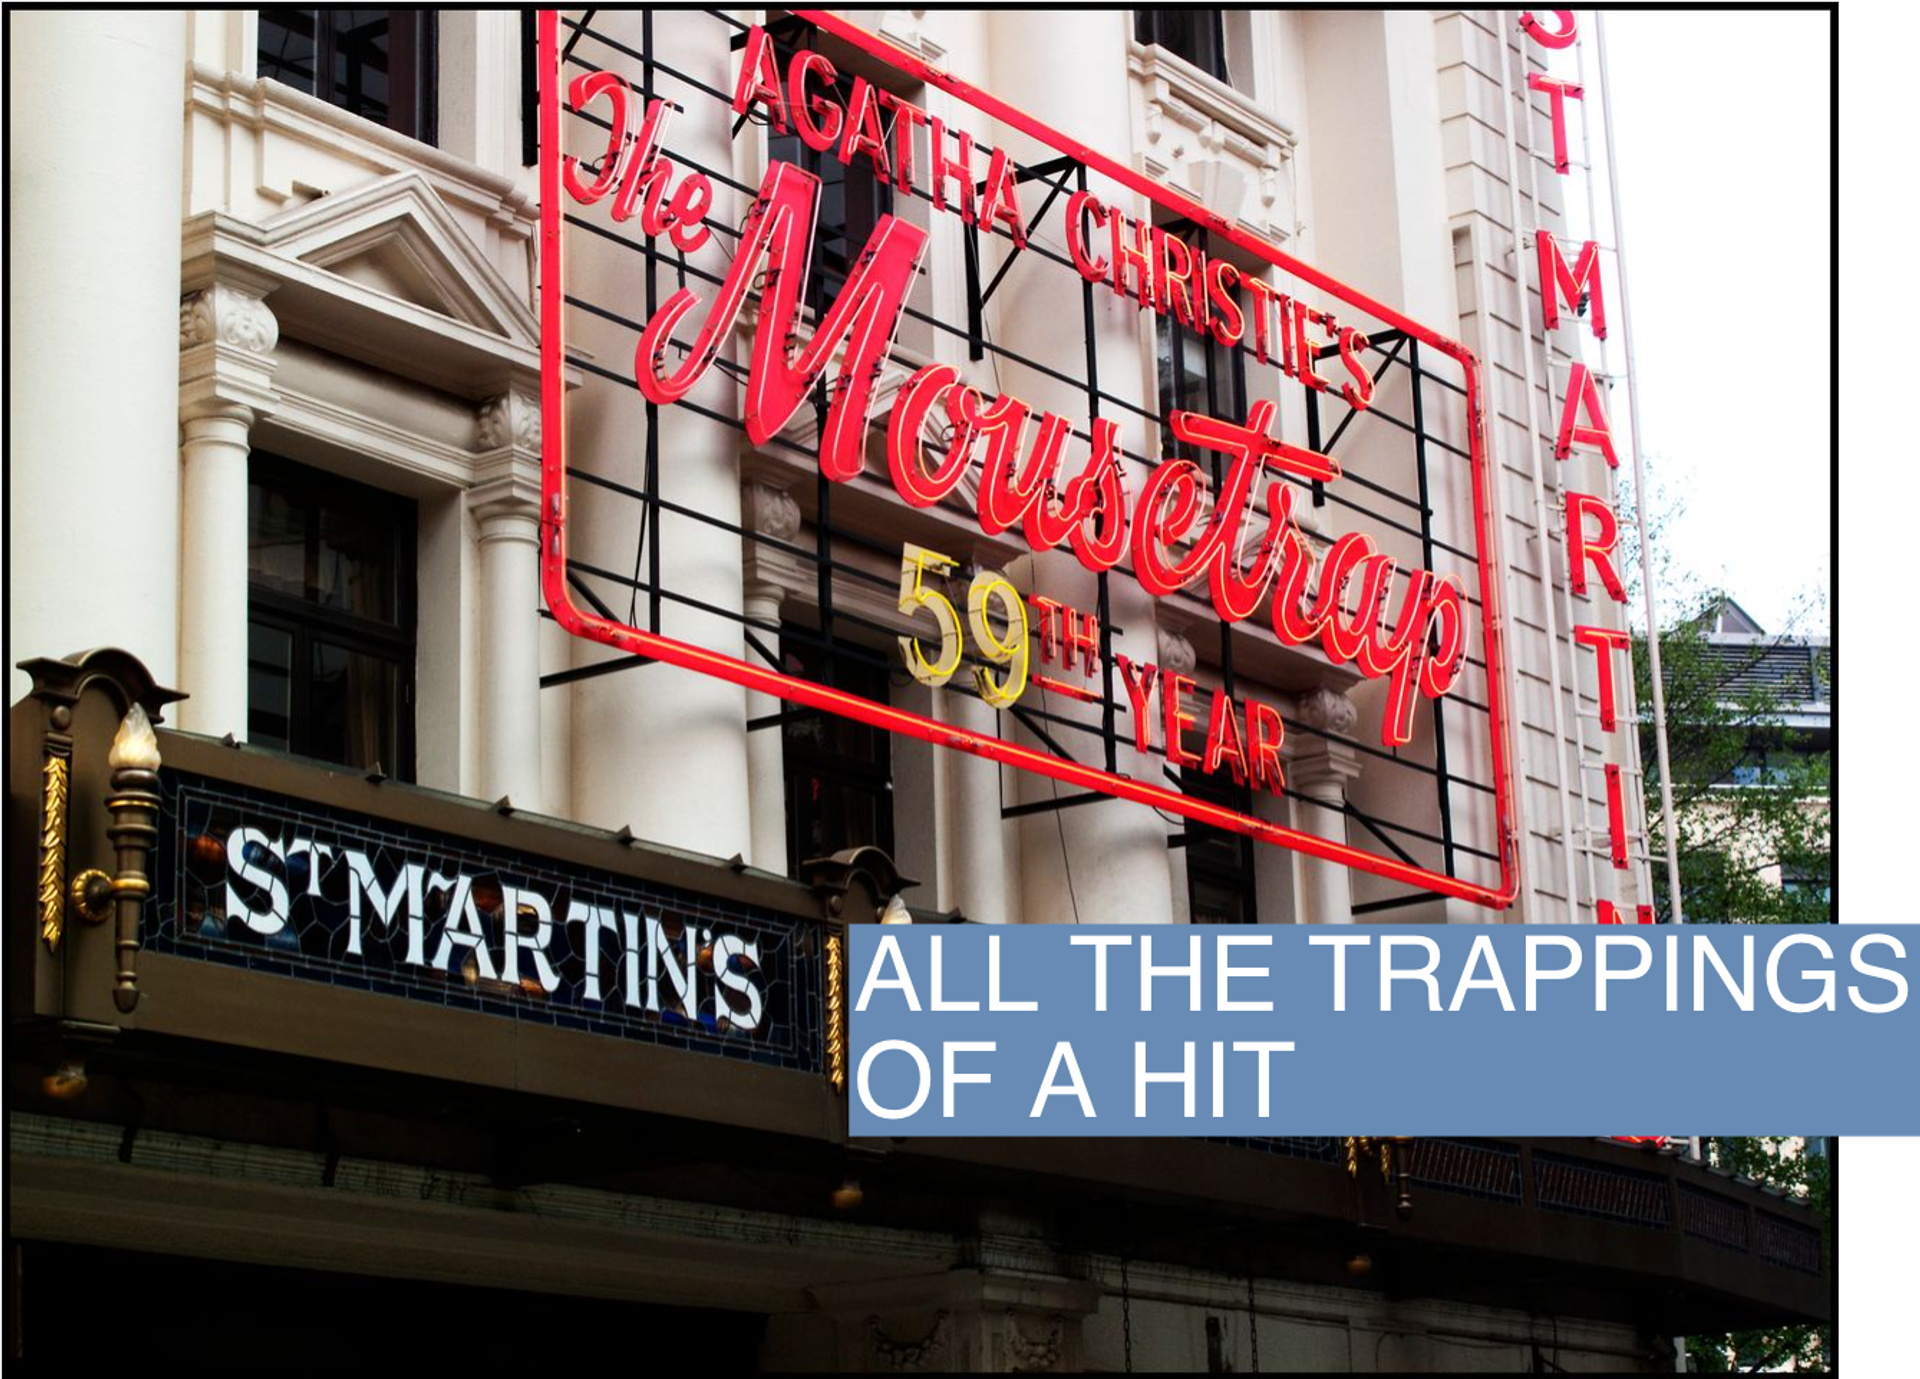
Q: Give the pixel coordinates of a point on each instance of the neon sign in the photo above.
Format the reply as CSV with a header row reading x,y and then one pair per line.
x,y
1237,536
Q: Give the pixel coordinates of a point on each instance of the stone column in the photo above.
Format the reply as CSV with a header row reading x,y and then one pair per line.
x,y
1107,862
770,511
505,504
227,337
1322,770
660,748
964,1321
976,835
93,280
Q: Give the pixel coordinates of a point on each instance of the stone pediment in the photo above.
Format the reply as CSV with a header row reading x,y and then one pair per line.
x,y
396,237
384,275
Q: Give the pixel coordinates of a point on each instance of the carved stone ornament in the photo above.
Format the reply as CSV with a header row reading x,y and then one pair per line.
x,y
228,316
770,511
1176,652
1026,1356
509,420
905,1355
1329,710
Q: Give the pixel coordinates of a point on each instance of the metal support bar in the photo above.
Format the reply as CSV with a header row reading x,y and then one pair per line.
x,y
1015,811
1444,788
567,677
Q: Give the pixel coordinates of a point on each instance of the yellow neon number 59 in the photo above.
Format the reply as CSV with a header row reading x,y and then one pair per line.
x,y
1013,652
914,595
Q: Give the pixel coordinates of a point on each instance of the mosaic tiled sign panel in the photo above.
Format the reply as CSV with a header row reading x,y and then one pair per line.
x,y
706,252
280,886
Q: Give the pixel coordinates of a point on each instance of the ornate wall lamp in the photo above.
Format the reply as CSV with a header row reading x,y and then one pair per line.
x,y
1391,1156
70,729
855,886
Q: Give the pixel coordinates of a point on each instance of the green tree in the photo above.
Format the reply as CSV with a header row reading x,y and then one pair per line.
x,y
1752,795
1777,1161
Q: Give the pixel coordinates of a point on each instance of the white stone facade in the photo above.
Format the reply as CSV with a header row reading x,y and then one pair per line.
x,y
366,304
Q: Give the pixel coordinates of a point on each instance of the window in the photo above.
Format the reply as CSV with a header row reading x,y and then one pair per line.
x,y
1198,375
1194,33
330,612
839,772
378,64
1220,875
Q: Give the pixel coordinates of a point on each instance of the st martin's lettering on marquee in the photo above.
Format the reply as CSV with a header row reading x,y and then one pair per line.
x,y
256,880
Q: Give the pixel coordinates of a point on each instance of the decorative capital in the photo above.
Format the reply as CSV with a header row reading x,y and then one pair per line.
x,y
511,420
908,1355
1176,652
226,315
1328,710
770,511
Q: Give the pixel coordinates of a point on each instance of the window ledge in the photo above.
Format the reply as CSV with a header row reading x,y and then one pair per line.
x,y
1211,140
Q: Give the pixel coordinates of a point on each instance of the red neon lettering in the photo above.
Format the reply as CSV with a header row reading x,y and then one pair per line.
x,y
631,159
1263,297
1049,613
863,133
759,82
1223,739
1551,38
1132,246
941,169
1580,286
1293,623
1598,548
1092,269
818,137
1156,526
1139,687
1616,817
1079,637
1391,654
1002,199
1558,94
1343,642
1268,733
1610,914
906,431
1358,393
1446,621
1180,298
1306,353
1221,276
906,117
864,317
585,88
1604,642
1173,708
1101,493
1583,394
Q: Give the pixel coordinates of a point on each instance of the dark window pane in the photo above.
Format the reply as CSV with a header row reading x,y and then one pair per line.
x,y
287,47
331,575
360,62
276,540
379,64
839,772
354,718
1220,867
355,562
1192,32
269,687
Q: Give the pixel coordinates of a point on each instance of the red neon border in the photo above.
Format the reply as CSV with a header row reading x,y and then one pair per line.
x,y
553,501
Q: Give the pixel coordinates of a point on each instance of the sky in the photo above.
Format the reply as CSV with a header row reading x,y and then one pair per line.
x,y
1723,128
